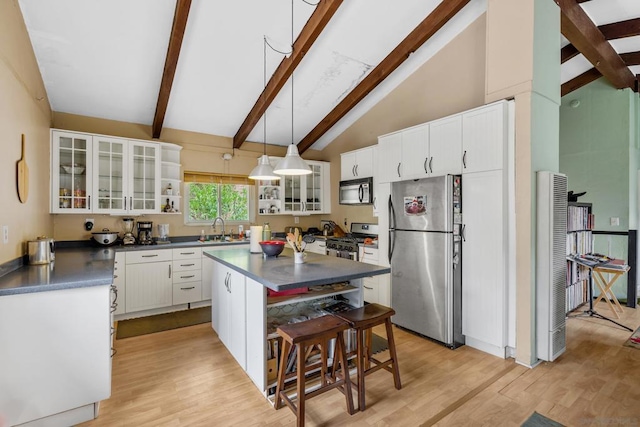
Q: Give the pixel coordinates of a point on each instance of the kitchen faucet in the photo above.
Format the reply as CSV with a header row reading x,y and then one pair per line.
x,y
215,221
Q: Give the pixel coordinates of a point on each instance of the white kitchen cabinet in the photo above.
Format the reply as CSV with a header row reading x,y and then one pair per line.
x,y
307,194
356,164
414,149
149,280
103,174
485,247
119,282
71,172
445,146
229,309
389,158
484,131
56,356
187,275
483,255
375,289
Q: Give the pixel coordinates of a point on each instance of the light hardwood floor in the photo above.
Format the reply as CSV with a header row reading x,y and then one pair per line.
x,y
186,377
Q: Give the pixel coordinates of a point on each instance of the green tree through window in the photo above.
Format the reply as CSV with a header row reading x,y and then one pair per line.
x,y
209,201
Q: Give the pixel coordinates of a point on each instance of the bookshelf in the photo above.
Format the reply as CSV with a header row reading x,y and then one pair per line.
x,y
580,222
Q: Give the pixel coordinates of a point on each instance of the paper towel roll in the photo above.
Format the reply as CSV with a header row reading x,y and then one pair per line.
x,y
256,237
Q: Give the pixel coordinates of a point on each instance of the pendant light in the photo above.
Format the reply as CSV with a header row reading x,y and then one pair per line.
x,y
264,171
292,163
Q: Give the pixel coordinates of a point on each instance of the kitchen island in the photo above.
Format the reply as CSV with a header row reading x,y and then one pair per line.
x,y
245,317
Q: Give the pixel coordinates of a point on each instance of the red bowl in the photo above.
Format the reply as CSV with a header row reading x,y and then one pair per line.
x,y
272,247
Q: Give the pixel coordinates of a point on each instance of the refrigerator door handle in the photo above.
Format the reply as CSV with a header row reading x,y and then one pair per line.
x,y
392,225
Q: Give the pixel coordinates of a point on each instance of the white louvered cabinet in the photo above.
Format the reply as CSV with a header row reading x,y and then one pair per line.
x,y
149,280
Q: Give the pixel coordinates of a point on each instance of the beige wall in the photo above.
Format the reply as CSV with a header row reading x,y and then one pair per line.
x,y
24,109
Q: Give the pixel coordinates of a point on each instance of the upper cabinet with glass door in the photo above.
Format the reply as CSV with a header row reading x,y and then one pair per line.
x,y
144,184
103,174
71,172
308,194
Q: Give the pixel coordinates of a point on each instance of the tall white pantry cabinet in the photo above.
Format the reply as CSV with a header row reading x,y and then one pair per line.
x,y
481,148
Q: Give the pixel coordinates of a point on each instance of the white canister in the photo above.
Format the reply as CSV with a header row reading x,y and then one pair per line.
x,y
255,238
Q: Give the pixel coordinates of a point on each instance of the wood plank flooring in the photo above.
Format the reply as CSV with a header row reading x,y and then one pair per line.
x,y
186,377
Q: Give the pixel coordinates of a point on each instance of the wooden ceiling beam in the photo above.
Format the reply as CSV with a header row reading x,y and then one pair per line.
x,y
315,25
588,39
631,58
615,30
180,18
423,32
582,80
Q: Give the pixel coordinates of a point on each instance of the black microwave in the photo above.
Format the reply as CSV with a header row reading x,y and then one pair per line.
x,y
356,191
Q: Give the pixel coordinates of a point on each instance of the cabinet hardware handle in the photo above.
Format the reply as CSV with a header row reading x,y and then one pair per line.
x,y
375,203
424,165
115,276
124,203
188,277
464,159
149,256
130,203
186,265
353,170
89,202
366,287
368,253
462,233
356,170
169,271
430,162
398,168
187,253
186,289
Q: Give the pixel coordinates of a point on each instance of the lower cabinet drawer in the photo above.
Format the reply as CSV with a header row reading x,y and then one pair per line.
x,y
187,264
187,276
187,292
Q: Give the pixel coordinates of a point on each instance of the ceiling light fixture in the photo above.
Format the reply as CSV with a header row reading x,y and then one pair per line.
x,y
264,171
292,163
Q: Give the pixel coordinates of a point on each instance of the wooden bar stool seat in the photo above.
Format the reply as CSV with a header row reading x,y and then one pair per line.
x,y
303,338
362,320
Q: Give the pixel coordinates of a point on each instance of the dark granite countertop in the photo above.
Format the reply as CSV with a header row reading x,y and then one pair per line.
x,y
72,268
80,264
280,273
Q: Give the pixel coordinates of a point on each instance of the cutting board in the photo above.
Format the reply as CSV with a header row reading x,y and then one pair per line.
x,y
23,176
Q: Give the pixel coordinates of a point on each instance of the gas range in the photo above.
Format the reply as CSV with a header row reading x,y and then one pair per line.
x,y
347,246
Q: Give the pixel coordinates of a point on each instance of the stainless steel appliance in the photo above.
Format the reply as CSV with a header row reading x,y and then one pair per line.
x,y
163,233
145,229
128,238
425,252
356,192
41,251
347,246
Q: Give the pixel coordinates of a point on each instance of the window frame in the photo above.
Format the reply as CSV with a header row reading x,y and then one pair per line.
x,y
251,206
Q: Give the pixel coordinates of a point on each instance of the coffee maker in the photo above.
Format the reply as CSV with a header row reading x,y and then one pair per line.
x,y
145,229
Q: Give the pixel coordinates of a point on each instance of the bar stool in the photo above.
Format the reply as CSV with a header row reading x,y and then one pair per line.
x,y
306,336
362,320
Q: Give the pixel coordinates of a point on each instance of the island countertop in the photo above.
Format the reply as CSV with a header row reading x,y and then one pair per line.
x,y
281,273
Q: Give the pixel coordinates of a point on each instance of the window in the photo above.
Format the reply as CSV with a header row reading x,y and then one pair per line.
x,y
208,196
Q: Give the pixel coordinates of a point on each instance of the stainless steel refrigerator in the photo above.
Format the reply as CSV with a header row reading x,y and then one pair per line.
x,y
425,249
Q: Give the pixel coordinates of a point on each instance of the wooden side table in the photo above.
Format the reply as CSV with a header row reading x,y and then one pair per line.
x,y
605,286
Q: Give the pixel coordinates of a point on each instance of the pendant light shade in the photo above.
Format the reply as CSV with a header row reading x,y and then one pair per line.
x,y
263,171
292,163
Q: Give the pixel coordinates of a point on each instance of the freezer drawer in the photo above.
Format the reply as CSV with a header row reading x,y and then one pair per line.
x,y
421,283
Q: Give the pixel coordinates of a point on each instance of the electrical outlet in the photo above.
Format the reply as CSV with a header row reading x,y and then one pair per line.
x,y
296,219
5,234
615,221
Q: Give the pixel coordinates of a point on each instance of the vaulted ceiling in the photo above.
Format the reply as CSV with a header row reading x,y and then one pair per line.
x,y
215,66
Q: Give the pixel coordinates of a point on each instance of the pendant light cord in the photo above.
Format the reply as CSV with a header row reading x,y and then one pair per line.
x,y
264,82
